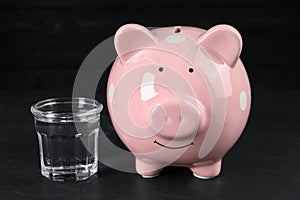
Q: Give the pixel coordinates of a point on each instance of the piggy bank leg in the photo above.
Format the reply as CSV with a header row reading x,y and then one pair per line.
x,y
147,168
206,170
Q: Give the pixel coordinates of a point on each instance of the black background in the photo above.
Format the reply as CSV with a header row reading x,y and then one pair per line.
x,y
43,43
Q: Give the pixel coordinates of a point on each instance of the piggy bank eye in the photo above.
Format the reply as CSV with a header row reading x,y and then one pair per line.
x,y
161,69
191,70
177,30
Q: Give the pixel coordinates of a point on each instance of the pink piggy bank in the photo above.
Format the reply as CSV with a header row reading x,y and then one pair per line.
x,y
178,96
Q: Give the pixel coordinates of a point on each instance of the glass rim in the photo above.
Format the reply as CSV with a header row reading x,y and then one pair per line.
x,y
71,116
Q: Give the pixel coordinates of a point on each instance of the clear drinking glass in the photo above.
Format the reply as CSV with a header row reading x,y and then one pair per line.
x,y
67,130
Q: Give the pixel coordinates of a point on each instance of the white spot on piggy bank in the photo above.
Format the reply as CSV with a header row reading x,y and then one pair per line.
x,y
176,38
147,86
111,92
243,100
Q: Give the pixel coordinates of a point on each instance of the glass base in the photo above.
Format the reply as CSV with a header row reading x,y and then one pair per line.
x,y
69,173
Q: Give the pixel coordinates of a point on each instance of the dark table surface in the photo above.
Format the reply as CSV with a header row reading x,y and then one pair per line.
x,y
264,164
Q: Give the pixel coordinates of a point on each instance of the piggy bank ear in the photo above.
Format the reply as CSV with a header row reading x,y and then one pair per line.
x,y
225,41
131,37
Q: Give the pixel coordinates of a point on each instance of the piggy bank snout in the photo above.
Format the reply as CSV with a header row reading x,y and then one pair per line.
x,y
175,121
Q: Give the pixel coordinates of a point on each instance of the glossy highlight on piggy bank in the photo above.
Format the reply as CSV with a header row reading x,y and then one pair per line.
x,y
178,96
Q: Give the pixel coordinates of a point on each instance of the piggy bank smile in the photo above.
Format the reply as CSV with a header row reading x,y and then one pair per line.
x,y
168,147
